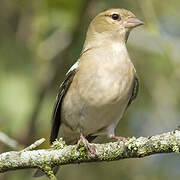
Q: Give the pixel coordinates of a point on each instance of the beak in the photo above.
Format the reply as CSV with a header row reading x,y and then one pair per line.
x,y
133,22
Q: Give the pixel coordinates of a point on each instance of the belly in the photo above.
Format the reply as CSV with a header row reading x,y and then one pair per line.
x,y
97,107
97,120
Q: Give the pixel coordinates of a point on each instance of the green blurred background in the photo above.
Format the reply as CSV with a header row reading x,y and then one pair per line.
x,y
41,39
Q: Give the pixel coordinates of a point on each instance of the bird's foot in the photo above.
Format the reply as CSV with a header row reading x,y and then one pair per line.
x,y
90,148
120,139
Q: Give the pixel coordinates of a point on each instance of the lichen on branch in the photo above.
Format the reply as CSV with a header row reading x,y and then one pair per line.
x,y
61,154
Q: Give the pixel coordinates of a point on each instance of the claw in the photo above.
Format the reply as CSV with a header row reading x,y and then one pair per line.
x,y
90,148
120,139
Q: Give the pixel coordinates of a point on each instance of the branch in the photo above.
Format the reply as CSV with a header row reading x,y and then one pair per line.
x,y
61,154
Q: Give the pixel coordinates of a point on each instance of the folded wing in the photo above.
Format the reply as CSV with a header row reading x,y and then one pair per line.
x,y
56,118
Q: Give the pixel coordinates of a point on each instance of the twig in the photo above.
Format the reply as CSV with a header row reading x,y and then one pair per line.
x,y
49,172
34,145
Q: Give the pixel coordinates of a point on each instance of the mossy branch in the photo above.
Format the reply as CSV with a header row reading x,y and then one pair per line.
x,y
61,154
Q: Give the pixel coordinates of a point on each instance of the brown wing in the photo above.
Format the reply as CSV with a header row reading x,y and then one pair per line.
x,y
135,90
56,118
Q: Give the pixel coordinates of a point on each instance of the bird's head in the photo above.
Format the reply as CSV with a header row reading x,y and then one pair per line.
x,y
114,23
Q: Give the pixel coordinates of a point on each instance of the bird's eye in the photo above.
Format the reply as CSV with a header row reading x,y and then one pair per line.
x,y
115,16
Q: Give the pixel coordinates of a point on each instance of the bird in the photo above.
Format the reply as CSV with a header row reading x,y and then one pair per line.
x,y
101,85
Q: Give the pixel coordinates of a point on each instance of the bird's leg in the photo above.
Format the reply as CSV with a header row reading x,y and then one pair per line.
x,y
90,148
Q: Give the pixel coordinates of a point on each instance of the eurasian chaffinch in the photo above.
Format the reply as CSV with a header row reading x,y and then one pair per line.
x,y
100,85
